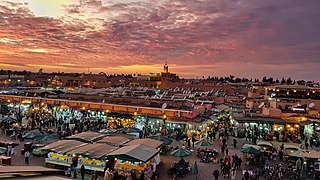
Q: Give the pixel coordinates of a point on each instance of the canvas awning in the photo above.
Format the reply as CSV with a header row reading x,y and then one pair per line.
x,y
87,136
134,153
93,150
63,146
116,140
148,142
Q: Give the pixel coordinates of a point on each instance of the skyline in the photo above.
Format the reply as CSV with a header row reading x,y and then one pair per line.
x,y
245,38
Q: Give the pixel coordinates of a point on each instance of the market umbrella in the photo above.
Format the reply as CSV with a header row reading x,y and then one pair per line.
x,y
250,150
195,169
45,137
3,150
164,139
31,135
203,143
181,153
8,119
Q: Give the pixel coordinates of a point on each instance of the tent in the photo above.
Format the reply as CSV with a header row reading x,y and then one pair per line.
x,y
164,139
32,135
9,119
203,143
45,137
181,153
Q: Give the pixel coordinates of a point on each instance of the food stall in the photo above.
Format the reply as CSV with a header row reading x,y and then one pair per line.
x,y
58,152
138,158
266,148
290,149
310,158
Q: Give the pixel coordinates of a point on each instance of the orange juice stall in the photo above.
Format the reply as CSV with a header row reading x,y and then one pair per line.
x,y
138,158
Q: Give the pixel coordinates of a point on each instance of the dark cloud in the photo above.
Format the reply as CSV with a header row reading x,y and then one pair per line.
x,y
186,32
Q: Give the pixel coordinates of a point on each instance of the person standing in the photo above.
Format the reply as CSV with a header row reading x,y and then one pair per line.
x,y
94,175
235,143
215,174
82,171
9,149
106,174
26,157
246,175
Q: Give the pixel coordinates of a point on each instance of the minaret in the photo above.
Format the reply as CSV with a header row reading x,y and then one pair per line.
x,y
166,68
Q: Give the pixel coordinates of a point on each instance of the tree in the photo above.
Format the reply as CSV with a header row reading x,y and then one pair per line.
x,y
264,79
289,81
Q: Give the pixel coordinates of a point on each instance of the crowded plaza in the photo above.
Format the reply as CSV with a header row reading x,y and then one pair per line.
x,y
102,144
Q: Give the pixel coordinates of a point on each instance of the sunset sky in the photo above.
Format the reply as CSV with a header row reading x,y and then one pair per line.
x,y
249,38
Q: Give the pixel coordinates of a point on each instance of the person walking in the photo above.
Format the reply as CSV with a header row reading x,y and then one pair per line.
x,y
82,171
233,174
26,157
106,174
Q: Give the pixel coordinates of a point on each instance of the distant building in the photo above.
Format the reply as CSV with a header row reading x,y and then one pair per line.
x,y
161,80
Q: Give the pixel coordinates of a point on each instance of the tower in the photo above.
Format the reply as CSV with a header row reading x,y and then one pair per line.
x,y
166,68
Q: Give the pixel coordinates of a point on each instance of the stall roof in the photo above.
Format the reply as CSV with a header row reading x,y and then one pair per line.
x,y
259,120
264,143
117,140
148,142
311,154
93,150
63,146
134,153
87,136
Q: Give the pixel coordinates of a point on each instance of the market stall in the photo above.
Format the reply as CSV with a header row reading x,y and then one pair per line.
x,y
58,152
251,155
138,158
93,156
266,148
